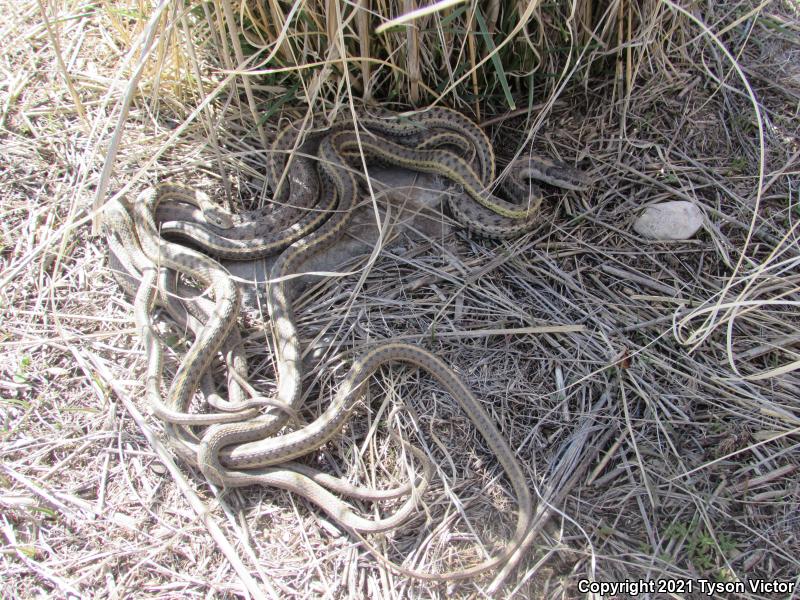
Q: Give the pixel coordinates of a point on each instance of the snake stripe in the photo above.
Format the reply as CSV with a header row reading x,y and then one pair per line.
x,y
312,172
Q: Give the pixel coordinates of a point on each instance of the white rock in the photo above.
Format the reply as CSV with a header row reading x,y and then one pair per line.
x,y
675,220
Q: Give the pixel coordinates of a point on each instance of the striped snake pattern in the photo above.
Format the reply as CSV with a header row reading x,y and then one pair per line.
x,y
316,192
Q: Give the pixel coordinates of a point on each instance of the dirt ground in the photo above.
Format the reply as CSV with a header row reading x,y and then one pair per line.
x,y
648,389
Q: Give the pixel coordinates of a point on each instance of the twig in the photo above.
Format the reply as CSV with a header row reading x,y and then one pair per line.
x,y
194,501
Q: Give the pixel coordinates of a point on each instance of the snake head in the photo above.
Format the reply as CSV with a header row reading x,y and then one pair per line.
x,y
213,214
554,172
113,216
218,217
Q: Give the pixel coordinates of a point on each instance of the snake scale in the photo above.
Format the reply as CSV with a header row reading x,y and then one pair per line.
x,y
316,189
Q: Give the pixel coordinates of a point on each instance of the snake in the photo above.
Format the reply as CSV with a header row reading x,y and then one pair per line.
x,y
188,311
239,247
301,479
415,136
127,247
243,451
249,446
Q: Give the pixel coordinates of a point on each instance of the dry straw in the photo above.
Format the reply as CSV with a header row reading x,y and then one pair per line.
x,y
650,389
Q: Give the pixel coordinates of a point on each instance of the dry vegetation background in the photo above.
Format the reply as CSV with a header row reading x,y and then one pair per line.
x,y
659,429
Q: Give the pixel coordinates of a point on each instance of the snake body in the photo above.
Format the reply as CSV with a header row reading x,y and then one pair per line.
x,y
119,227
258,234
241,448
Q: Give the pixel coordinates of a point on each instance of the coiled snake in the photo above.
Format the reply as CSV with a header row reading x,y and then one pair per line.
x,y
240,446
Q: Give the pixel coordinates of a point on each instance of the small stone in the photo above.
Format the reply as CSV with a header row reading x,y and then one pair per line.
x,y
675,220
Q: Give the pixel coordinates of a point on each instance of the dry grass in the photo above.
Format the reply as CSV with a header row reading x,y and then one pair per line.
x,y
661,434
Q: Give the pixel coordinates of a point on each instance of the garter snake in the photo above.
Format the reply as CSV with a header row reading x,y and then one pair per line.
x,y
333,168
243,451
261,234
415,143
127,246
229,453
